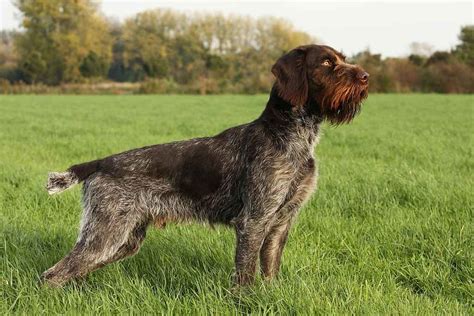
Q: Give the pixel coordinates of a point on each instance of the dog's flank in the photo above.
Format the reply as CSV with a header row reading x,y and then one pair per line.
x,y
254,177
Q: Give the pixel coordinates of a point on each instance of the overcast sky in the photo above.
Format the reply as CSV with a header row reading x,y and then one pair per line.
x,y
387,27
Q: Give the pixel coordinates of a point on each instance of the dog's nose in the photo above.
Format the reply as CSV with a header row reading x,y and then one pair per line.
x,y
363,76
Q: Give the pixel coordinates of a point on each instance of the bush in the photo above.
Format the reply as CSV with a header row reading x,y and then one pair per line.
x,y
77,88
158,86
453,77
4,86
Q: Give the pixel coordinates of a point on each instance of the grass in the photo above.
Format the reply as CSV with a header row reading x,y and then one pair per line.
x,y
389,231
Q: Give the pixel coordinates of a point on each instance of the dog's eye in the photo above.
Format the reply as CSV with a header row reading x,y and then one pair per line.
x,y
327,62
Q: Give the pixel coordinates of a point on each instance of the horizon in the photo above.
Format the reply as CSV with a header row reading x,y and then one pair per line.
x,y
367,25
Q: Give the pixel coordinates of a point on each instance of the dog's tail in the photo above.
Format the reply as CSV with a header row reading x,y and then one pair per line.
x,y
61,181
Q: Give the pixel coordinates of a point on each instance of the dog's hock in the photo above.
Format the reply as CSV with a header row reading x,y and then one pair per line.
x,y
60,181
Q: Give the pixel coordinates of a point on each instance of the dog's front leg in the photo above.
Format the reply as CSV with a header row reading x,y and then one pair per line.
x,y
250,235
275,240
272,249
263,195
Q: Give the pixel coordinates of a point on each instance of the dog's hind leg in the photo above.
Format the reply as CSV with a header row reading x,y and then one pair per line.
x,y
106,236
130,247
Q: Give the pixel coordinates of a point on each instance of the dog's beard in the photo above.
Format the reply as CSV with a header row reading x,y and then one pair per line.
x,y
343,102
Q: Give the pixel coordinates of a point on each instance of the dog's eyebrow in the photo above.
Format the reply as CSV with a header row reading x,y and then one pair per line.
x,y
335,55
339,57
328,56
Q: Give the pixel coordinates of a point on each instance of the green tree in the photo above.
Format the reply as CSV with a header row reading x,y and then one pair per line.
x,y
62,40
148,40
94,65
465,50
207,53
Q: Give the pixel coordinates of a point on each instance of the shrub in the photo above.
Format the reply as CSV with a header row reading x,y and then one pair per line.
x,y
158,86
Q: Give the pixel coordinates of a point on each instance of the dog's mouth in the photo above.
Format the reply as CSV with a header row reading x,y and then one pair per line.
x,y
364,93
361,92
342,103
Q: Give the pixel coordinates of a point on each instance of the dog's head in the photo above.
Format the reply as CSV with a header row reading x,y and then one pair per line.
x,y
316,74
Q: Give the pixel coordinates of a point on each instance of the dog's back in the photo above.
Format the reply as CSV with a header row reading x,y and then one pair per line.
x,y
194,167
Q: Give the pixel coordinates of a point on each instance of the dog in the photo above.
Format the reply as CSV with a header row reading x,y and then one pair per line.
x,y
253,177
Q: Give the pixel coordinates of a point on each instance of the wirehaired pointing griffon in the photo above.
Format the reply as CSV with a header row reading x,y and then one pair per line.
x,y
253,177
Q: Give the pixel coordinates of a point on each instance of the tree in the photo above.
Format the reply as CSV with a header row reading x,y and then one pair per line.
x,y
417,60
404,74
94,65
208,53
465,50
63,40
439,57
8,56
147,40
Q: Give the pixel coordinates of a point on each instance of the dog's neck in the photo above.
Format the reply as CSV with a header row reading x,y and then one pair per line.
x,y
285,122
282,115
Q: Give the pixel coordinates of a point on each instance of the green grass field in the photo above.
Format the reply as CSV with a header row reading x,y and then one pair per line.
x,y
389,231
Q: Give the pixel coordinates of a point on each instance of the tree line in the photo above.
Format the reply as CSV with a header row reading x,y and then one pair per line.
x,y
166,51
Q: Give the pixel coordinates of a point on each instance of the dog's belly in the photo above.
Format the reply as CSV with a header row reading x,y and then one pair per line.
x,y
175,206
175,200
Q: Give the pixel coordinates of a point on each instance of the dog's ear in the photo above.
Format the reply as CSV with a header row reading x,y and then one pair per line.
x,y
290,73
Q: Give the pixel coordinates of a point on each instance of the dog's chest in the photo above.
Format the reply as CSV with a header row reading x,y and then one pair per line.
x,y
301,187
305,171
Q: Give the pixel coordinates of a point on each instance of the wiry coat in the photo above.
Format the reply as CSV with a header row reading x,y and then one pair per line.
x,y
254,177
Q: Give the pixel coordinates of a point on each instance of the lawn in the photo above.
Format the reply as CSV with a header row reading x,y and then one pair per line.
x,y
389,231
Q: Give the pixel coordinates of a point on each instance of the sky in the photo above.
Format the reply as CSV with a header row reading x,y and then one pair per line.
x,y
386,27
